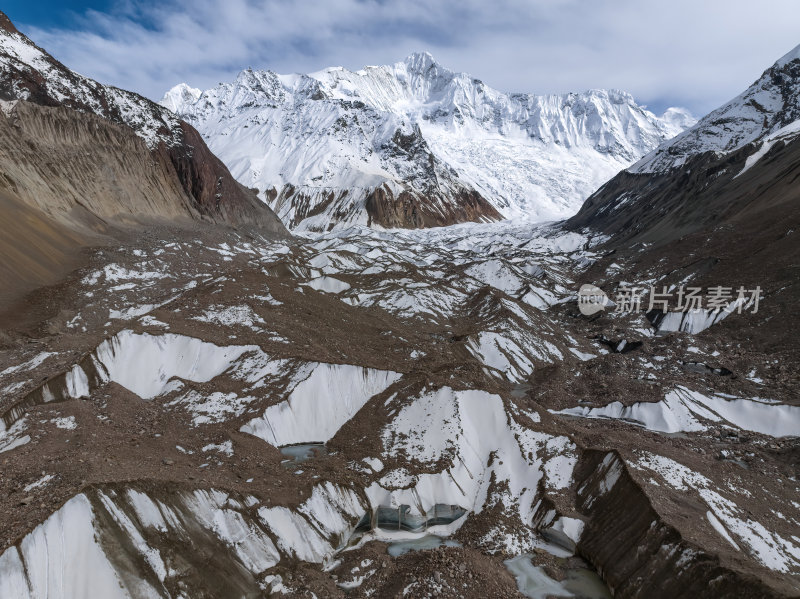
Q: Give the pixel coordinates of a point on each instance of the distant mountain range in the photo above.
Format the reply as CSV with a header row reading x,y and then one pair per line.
x,y
415,144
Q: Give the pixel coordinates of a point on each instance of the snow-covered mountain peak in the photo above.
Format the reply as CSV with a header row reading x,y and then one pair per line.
x,y
791,55
418,127
767,106
420,69
179,95
678,119
250,85
420,62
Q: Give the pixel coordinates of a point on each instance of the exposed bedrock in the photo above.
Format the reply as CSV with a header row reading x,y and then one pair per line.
x,y
85,170
414,210
636,552
215,193
388,206
75,166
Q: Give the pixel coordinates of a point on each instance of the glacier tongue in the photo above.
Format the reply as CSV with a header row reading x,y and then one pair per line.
x,y
319,147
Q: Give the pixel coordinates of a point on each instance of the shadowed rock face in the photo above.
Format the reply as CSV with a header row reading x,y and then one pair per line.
x,y
707,192
383,206
737,167
215,192
6,24
645,547
715,206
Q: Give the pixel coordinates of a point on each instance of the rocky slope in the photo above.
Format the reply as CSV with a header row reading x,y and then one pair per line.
x,y
716,206
51,105
87,159
26,265
737,167
415,144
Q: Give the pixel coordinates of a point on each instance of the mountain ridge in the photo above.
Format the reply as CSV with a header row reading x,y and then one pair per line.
x,y
736,160
767,105
527,155
83,164
28,73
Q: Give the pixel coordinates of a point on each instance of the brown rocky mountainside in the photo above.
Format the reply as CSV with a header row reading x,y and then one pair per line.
x,y
729,220
88,160
708,192
721,218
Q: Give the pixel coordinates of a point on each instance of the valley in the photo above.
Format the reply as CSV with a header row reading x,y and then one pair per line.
x,y
330,342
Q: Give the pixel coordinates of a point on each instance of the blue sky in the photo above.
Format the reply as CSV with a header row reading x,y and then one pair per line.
x,y
682,52
51,13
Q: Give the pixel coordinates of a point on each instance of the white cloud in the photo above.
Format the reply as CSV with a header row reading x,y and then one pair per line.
x,y
682,52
